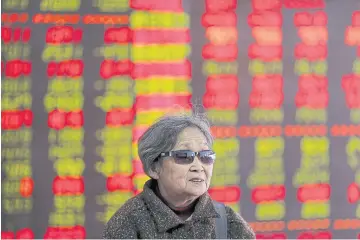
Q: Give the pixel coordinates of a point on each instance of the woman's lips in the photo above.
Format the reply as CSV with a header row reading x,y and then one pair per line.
x,y
196,180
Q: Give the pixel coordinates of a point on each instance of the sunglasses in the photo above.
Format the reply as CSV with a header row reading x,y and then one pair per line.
x,y
187,156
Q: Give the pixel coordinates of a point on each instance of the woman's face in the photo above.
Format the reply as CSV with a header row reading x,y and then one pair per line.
x,y
182,179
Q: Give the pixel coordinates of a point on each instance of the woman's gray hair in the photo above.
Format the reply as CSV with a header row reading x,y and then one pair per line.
x,y
162,136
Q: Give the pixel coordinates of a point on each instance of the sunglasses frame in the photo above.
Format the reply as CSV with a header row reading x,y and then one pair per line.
x,y
192,155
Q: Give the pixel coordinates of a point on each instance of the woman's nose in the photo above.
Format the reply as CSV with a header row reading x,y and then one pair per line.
x,y
196,165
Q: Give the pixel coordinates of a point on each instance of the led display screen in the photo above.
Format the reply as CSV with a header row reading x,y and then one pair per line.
x,y
278,79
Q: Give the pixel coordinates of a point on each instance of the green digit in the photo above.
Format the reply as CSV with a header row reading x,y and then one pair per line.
x,y
356,66
320,68
315,210
273,67
26,50
257,67
302,67
355,116
50,102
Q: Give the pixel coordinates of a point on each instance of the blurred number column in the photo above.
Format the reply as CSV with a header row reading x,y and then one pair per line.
x,y
266,99
64,102
16,121
161,72
221,98
117,103
351,86
312,178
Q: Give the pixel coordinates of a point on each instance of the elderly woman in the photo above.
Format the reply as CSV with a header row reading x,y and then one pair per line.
x,y
176,154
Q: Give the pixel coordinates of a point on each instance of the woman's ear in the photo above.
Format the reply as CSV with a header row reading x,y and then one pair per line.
x,y
155,170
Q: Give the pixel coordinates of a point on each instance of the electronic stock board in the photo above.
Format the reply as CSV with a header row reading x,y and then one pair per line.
x,y
279,80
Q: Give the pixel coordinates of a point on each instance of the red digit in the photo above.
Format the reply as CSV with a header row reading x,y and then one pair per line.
x,y
7,235
77,35
56,119
52,69
356,19
261,5
75,119
26,35
320,18
6,34
25,233
17,35
13,68
11,120
304,3
303,19
107,69
27,116
26,68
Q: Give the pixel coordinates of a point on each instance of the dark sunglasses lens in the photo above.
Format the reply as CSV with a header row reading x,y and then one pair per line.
x,y
183,157
207,157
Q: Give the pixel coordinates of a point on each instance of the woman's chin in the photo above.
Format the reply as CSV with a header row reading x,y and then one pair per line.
x,y
197,190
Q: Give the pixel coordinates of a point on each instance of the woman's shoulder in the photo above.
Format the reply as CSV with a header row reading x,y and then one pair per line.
x,y
238,227
130,207
232,215
124,218
128,212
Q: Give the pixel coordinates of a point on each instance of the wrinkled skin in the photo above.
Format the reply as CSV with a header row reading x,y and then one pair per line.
x,y
174,179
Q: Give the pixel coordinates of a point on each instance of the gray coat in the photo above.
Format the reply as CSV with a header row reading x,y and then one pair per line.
x,y
146,216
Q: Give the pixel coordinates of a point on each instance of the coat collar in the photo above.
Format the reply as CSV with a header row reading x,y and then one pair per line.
x,y
165,218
